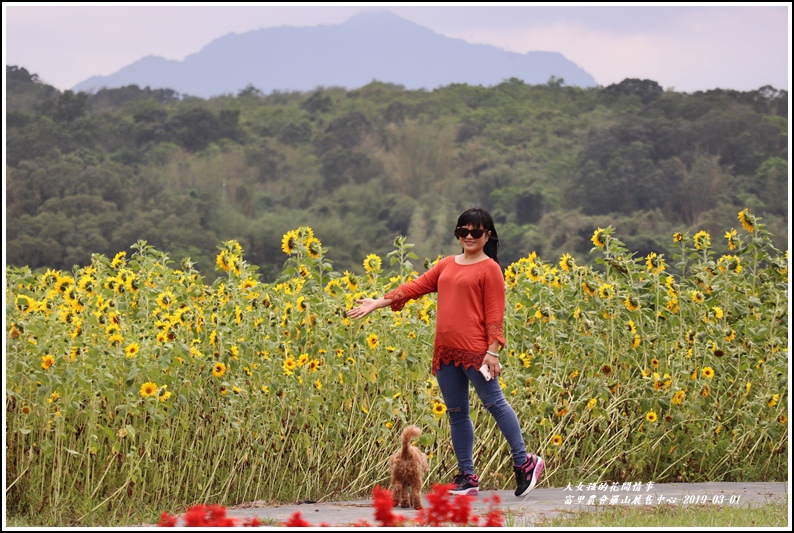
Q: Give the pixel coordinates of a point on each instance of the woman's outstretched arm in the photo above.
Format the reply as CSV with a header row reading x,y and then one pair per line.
x,y
367,305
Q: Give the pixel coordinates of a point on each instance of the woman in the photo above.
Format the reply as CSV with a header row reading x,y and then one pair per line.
x,y
471,303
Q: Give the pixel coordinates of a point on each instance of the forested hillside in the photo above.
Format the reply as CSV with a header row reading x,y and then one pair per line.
x,y
94,173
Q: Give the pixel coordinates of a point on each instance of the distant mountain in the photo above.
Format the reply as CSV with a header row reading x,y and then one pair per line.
x,y
373,45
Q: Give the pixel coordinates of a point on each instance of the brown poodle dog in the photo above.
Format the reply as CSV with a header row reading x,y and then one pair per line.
x,y
408,467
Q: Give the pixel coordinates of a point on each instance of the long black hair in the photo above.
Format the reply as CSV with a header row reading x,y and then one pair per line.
x,y
480,218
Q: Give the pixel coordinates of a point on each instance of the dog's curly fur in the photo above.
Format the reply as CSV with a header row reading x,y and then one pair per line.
x,y
408,467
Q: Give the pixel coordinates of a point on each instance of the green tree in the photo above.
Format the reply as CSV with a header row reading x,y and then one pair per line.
x,y
646,90
194,128
771,184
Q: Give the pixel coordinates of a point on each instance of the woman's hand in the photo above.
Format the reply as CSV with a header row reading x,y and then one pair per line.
x,y
365,307
493,365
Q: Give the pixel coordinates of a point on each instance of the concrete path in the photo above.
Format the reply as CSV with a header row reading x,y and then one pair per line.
x,y
538,504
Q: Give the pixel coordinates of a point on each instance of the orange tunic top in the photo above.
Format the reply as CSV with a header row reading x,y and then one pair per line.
x,y
470,309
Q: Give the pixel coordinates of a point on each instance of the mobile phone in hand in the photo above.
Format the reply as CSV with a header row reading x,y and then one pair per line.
x,y
486,372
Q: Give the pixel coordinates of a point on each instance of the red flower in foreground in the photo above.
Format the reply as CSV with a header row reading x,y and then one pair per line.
x,y
166,520
461,511
440,510
384,503
494,517
208,516
297,521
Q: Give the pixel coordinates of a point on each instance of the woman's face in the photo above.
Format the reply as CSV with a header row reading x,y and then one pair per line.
x,y
472,238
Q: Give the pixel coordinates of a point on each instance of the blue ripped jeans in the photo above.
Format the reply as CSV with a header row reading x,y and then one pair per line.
x,y
454,384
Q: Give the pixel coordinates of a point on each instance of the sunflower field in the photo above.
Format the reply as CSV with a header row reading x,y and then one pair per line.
x,y
133,388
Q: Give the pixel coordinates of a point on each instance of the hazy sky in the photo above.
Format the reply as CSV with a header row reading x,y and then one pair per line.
x,y
685,47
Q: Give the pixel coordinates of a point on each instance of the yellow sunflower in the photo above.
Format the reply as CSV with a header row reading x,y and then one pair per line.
x,y
678,397
218,370
289,241
132,350
350,280
50,277
654,263
165,299
22,303
534,271
333,288
606,291
708,372
631,302
148,389
248,284
63,284
747,220
556,440
115,340
650,416
567,263
697,297
47,361
599,238
372,341
731,238
119,261
314,247
222,260
702,240
589,290
439,409
731,263
372,263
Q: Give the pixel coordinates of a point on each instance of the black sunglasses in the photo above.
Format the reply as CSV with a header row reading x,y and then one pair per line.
x,y
461,233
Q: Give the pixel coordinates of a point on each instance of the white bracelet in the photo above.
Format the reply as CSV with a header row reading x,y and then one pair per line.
x,y
491,353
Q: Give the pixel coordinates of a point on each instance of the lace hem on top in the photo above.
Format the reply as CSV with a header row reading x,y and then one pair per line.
x,y
495,333
456,356
398,299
